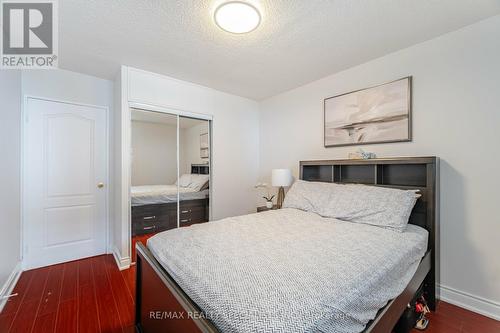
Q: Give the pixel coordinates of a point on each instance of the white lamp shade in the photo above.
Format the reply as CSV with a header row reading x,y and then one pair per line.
x,y
282,177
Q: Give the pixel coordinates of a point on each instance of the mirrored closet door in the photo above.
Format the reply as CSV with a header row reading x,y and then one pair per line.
x,y
194,170
170,173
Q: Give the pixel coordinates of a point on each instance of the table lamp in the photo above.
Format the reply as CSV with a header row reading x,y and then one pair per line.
x,y
281,178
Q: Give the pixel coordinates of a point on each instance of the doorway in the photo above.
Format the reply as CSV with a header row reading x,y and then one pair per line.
x,y
65,182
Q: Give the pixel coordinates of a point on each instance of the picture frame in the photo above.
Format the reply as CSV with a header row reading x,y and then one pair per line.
x,y
373,115
204,145
203,140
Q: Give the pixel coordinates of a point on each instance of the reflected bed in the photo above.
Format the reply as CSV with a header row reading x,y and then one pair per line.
x,y
158,194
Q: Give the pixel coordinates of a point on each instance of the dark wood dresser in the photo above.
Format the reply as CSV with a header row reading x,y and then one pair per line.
x,y
160,217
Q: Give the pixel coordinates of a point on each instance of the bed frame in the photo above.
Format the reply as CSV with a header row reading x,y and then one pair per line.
x,y
162,306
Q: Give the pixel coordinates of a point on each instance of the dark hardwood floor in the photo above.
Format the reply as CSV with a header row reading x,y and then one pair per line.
x,y
92,295
452,319
89,295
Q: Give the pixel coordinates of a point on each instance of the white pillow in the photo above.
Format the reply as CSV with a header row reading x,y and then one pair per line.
x,y
184,180
198,181
385,207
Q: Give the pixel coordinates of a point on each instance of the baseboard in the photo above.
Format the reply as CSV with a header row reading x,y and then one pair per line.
x,y
9,285
121,262
470,302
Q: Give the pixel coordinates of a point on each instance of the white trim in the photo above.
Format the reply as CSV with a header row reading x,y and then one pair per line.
x,y
169,110
21,175
25,98
182,82
122,262
470,302
9,285
210,168
178,172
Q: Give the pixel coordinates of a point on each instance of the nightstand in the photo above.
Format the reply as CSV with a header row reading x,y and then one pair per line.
x,y
264,208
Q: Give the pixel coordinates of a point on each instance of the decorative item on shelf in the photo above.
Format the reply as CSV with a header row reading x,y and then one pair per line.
x,y
269,201
268,195
281,178
360,154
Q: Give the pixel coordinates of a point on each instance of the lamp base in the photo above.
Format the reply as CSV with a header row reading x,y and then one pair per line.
x,y
281,197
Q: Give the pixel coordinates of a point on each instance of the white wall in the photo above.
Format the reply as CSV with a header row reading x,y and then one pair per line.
x,y
456,116
154,153
190,145
74,87
10,175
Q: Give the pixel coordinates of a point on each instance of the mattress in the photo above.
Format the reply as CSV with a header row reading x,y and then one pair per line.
x,y
290,271
158,194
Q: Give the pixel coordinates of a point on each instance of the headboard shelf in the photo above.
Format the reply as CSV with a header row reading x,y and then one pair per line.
x,y
320,173
409,171
402,174
357,173
200,169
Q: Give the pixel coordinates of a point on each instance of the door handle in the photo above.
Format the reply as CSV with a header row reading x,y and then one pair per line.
x,y
100,185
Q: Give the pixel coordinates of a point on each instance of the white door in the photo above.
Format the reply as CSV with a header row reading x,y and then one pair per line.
x,y
65,182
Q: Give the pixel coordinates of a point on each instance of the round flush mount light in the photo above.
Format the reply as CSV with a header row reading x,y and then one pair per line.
x,y
237,17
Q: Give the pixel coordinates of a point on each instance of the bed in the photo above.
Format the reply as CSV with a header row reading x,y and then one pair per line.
x,y
159,194
154,207
290,270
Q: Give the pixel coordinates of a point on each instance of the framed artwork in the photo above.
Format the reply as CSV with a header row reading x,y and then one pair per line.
x,y
204,145
379,114
203,140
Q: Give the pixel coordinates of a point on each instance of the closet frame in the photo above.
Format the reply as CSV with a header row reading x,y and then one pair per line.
x,y
178,114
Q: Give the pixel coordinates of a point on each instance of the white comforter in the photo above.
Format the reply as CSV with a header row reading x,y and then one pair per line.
x,y
155,194
290,271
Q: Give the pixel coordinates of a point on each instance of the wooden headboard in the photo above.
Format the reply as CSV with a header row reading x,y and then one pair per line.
x,y
420,173
200,169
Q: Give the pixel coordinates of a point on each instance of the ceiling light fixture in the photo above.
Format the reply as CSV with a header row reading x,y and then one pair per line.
x,y
237,17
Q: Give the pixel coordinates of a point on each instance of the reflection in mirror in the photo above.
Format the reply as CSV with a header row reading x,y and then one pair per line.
x,y
153,192
194,171
170,173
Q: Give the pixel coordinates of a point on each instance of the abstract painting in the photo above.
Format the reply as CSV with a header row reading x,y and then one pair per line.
x,y
374,115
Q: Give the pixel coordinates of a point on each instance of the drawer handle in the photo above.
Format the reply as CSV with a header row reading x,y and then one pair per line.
x,y
186,220
185,211
149,217
149,228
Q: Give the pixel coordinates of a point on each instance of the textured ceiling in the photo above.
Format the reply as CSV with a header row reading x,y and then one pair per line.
x,y
297,42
